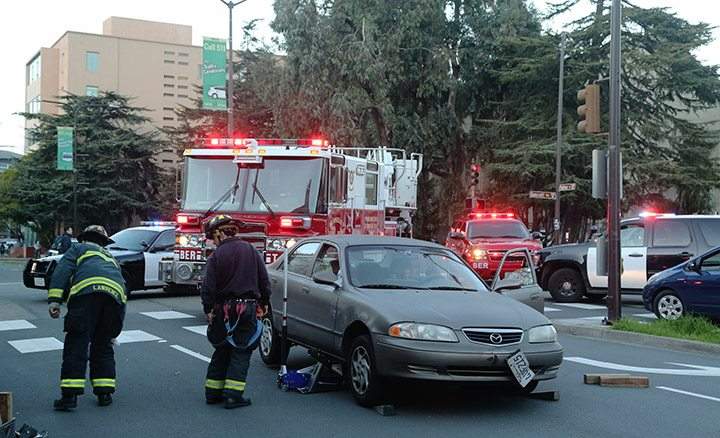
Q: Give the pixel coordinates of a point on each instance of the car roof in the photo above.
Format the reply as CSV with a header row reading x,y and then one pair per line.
x,y
157,228
674,216
345,240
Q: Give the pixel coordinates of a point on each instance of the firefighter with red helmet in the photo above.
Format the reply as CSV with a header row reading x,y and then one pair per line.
x,y
235,293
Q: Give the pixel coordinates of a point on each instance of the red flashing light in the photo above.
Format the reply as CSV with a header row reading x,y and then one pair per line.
x,y
317,142
295,222
185,219
214,141
492,215
475,167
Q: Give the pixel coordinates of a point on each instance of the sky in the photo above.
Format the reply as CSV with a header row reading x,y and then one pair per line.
x,y
28,25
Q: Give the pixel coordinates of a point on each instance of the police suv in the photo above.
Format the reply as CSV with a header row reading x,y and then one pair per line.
x,y
649,244
138,251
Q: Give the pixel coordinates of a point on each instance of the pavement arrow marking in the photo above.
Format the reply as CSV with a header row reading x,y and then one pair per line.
x,y
697,370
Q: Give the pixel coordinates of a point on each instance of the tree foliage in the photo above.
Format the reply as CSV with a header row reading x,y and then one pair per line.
x,y
118,179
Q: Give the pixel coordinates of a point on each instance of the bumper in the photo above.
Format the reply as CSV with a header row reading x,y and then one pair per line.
x,y
181,272
36,274
461,362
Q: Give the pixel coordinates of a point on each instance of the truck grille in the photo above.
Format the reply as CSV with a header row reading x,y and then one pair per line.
x,y
490,336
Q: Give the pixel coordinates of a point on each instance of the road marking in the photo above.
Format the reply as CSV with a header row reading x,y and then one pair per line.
x,y
698,370
190,353
13,282
692,394
552,309
36,345
644,315
15,324
593,318
199,329
582,306
168,314
130,336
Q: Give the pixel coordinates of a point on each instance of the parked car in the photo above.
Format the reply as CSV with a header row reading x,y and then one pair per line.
x,y
690,287
649,244
138,250
217,92
388,307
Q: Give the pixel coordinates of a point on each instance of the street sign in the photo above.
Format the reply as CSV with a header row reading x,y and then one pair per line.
x,y
65,148
568,187
534,194
214,73
556,225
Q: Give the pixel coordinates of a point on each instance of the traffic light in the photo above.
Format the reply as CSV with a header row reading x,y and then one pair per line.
x,y
474,174
589,109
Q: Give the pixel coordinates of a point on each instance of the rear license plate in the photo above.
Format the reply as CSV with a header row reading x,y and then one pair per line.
x,y
38,282
191,254
476,265
520,368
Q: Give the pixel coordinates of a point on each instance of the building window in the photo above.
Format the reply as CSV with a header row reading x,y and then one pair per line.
x,y
169,61
169,118
182,87
182,78
182,95
91,90
167,108
168,127
168,76
183,54
168,52
33,70
33,107
168,95
168,85
182,63
92,61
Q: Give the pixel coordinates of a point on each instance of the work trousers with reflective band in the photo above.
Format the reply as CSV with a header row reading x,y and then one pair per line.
x,y
227,372
92,321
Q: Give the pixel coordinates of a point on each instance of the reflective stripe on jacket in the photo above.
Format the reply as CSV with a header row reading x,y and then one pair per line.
x,y
87,268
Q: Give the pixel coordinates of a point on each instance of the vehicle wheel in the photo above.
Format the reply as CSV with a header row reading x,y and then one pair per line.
x,y
566,285
269,342
364,382
668,305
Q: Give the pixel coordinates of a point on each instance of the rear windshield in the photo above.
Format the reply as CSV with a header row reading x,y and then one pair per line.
x,y
497,229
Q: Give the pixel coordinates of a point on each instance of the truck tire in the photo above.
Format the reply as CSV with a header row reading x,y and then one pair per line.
x,y
566,285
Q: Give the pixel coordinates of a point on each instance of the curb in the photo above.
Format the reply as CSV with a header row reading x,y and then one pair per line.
x,y
13,260
637,338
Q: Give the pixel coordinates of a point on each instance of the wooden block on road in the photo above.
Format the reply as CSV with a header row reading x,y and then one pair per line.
x,y
385,410
625,382
6,407
594,379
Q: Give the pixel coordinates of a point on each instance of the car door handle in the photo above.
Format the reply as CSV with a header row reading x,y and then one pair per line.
x,y
685,254
306,290
635,254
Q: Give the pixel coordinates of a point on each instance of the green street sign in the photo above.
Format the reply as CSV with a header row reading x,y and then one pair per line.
x,y
214,73
65,148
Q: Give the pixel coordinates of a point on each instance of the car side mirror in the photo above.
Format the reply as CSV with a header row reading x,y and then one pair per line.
x,y
456,235
693,266
537,235
508,284
325,278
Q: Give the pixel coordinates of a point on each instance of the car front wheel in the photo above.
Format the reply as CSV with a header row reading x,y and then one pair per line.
x,y
668,305
566,285
269,342
365,384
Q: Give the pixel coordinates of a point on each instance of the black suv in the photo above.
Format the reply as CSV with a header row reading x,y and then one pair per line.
x,y
649,244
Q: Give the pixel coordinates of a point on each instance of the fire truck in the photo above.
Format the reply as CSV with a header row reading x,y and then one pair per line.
x,y
283,190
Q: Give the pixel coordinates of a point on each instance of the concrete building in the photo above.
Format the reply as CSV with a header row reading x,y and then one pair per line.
x,y
7,159
154,63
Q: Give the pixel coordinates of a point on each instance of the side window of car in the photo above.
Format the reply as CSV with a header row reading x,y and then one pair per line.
x,y
711,264
632,236
327,261
165,241
710,229
301,260
671,233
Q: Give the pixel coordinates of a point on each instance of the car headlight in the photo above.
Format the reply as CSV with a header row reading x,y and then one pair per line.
x,y
182,240
422,332
541,334
477,253
290,243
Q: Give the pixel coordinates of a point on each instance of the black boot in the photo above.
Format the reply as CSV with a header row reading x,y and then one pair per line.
x,y
236,402
104,399
213,399
66,403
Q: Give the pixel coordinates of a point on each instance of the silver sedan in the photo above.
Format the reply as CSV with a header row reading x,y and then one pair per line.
x,y
400,308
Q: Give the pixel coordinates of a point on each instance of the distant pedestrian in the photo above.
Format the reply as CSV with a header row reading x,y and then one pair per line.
x,y
63,242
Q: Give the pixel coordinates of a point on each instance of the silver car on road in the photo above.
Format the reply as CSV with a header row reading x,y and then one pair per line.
x,y
400,308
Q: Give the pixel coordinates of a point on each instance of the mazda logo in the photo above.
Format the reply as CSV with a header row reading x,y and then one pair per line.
x,y
496,338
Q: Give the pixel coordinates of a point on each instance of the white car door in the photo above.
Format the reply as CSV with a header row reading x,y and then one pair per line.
x,y
162,247
633,251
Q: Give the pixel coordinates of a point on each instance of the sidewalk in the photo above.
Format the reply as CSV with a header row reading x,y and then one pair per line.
x,y
595,329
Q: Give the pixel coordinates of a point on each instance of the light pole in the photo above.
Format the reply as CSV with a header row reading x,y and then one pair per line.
x,y
231,73
558,146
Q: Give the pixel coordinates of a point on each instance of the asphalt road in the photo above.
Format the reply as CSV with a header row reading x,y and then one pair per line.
x,y
161,375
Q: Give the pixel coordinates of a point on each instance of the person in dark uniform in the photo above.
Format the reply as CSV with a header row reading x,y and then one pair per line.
x,y
63,242
235,293
89,279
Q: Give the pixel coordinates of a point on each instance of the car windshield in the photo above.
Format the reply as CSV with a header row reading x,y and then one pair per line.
x,y
282,185
131,239
497,228
409,267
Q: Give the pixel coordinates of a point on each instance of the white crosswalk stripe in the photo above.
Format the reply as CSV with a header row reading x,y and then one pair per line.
x,y
15,324
582,306
36,345
167,314
552,309
130,336
199,329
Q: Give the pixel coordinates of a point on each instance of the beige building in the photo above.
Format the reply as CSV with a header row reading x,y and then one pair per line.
x,y
154,63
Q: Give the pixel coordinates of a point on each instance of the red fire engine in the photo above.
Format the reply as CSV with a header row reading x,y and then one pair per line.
x,y
285,190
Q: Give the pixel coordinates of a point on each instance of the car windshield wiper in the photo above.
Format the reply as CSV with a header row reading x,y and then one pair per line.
x,y
386,286
262,198
451,288
119,248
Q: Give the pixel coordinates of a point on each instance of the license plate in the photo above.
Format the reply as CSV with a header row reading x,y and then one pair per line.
x,y
476,265
520,368
38,281
194,254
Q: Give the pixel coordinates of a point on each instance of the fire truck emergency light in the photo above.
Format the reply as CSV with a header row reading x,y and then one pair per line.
x,y
493,215
185,219
251,142
295,222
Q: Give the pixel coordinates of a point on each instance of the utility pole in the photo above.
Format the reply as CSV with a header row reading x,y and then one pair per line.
x,y
558,146
230,95
614,170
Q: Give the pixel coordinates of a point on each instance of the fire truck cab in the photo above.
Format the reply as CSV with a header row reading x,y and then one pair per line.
x,y
283,190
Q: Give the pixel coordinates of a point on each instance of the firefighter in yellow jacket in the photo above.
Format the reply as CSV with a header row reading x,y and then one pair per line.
x,y
89,279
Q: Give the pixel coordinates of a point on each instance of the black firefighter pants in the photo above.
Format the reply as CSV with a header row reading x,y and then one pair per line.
x,y
227,372
92,320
